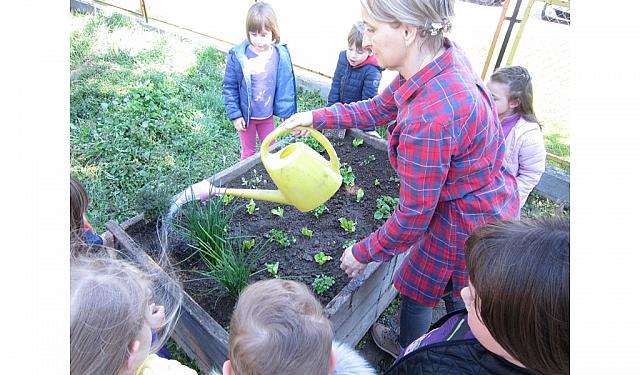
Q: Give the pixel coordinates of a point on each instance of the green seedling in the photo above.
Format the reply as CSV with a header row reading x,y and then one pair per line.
x,y
251,207
357,142
359,195
306,232
227,199
254,181
376,182
322,283
348,225
320,210
394,179
321,258
248,244
272,268
368,160
280,237
348,243
385,206
278,212
348,178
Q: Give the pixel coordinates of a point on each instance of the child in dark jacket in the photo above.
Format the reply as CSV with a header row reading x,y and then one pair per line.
x,y
258,81
357,74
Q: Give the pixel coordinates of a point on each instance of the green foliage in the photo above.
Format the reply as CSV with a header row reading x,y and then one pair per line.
x,y
537,205
348,243
368,160
320,210
384,207
357,142
248,244
308,100
376,182
205,225
254,181
359,195
322,283
313,143
134,126
348,178
272,268
279,211
306,232
251,207
154,198
279,237
321,258
348,225
226,198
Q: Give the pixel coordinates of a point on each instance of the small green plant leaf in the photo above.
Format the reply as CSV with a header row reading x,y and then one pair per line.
x,y
348,225
348,178
278,212
280,237
306,232
359,195
357,142
248,244
320,210
385,206
322,283
251,207
321,258
272,268
227,199
376,182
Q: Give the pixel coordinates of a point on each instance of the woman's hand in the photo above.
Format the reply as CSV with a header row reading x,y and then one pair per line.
x,y
349,264
239,124
297,120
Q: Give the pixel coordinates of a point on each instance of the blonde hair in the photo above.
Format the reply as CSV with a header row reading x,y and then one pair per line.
x,y
78,203
279,327
430,17
518,79
262,17
109,301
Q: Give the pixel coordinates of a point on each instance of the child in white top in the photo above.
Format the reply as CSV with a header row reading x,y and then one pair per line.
x,y
525,153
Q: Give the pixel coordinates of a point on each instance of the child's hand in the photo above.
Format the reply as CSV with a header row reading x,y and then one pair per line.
x,y
239,124
155,316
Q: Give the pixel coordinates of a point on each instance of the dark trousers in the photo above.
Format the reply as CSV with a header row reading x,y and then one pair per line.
x,y
415,318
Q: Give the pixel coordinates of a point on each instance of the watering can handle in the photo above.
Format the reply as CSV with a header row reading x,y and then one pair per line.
x,y
333,157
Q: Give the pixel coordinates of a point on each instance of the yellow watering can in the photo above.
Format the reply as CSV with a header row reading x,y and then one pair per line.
x,y
304,178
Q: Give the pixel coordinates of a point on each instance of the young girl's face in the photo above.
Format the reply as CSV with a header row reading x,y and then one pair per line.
x,y
478,328
500,94
356,55
261,40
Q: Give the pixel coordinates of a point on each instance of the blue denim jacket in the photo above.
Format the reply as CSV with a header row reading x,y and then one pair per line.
x,y
236,85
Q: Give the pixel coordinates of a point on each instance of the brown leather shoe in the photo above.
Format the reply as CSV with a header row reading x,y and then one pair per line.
x,y
386,339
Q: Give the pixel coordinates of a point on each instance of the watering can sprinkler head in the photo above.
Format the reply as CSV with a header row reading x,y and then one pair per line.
x,y
304,178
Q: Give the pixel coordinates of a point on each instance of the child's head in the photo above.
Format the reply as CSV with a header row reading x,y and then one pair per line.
x,y
111,316
512,92
262,26
79,201
355,53
279,327
518,293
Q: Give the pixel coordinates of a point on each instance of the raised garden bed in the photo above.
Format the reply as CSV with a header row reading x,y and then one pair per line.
x,y
351,305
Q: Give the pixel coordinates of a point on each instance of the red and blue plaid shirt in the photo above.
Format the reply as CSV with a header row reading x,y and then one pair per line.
x,y
448,149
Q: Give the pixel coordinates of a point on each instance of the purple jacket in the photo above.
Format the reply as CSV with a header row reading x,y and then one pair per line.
x,y
525,156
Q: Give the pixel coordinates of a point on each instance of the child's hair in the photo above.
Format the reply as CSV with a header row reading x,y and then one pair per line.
x,y
279,327
79,201
109,300
520,89
520,273
262,17
355,35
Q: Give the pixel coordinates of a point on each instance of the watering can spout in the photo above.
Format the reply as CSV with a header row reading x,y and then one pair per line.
x,y
274,196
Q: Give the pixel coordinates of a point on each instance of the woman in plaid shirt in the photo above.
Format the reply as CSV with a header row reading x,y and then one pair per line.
x,y
446,145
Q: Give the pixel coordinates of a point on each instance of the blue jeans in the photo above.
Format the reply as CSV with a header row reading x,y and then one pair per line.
x,y
415,318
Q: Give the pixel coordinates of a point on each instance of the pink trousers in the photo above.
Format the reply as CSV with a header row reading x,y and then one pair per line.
x,y
248,137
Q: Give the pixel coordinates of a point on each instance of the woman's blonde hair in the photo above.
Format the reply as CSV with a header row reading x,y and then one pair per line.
x,y
109,301
432,18
262,17
279,327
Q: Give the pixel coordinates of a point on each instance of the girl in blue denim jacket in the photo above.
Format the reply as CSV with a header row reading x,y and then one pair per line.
x,y
259,81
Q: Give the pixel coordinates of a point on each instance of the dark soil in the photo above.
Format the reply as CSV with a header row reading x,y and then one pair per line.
x,y
295,261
